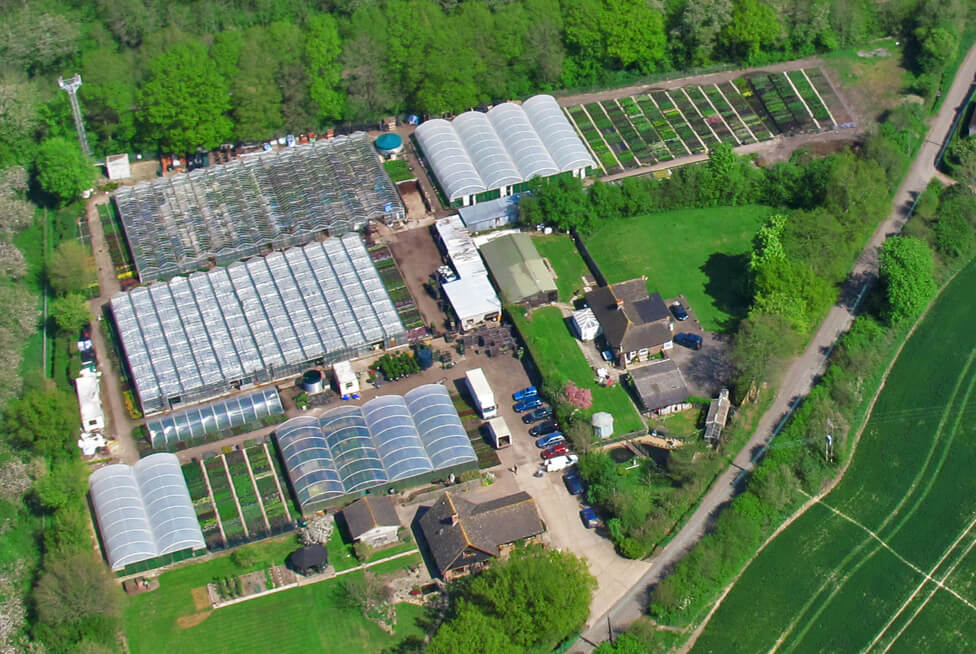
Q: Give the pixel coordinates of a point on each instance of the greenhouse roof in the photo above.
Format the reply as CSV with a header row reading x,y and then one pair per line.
x,y
354,448
144,511
215,416
255,319
182,223
510,144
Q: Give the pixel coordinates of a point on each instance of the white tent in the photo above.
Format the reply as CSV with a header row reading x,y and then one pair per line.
x,y
603,424
90,401
585,324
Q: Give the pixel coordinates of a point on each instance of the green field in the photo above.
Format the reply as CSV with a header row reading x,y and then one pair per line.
x,y
557,356
565,259
700,253
315,618
827,584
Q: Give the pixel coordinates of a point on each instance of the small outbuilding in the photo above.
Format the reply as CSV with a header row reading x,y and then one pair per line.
x,y
490,214
346,381
519,272
661,387
372,520
585,324
718,416
389,144
309,559
117,166
602,424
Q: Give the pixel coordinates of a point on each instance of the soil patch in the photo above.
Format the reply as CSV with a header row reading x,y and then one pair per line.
x,y
187,621
200,599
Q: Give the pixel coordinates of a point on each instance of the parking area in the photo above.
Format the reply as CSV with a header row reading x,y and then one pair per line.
x,y
708,370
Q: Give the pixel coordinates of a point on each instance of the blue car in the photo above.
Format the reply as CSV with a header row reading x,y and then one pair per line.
x,y
550,439
528,404
537,415
573,482
690,341
525,393
589,518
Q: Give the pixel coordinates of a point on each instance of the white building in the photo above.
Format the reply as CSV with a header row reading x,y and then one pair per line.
x,y
472,296
90,401
585,324
346,381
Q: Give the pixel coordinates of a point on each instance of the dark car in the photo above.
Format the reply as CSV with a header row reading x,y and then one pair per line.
x,y
549,440
556,450
589,518
535,416
528,392
690,341
573,482
527,404
679,312
544,428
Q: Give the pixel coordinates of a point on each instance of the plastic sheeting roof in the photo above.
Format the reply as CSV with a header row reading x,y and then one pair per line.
x,y
214,328
508,145
354,448
216,416
144,511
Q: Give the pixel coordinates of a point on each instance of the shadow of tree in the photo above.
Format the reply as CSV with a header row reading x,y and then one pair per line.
x,y
728,286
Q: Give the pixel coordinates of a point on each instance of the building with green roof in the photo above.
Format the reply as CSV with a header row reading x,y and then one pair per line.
x,y
521,275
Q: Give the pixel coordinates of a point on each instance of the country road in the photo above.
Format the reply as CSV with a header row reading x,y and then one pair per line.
x,y
800,376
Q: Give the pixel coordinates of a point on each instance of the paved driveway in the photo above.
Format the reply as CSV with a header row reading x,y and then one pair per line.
x,y
706,370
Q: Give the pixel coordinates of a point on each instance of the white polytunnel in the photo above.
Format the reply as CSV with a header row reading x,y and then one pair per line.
x,y
560,138
144,511
509,145
390,438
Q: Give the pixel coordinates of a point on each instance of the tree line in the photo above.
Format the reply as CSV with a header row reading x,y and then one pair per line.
x,y
187,73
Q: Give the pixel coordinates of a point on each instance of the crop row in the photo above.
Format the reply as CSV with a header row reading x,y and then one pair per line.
x,y
592,137
711,115
728,114
810,97
801,115
690,114
743,89
826,92
680,125
610,135
634,141
658,149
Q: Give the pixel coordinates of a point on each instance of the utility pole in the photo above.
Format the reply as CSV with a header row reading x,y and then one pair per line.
x,y
71,87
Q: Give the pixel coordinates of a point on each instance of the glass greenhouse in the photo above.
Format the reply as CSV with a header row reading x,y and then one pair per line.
x,y
220,214
216,416
144,511
481,152
198,337
390,438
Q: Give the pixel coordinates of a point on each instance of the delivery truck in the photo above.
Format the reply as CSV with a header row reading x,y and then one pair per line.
x,y
481,393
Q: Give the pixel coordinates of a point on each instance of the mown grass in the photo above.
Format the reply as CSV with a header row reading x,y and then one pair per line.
x,y
315,618
699,253
910,482
558,357
565,259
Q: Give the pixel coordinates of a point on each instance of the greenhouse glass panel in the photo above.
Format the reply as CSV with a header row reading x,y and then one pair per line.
x,y
439,426
396,437
557,134
220,415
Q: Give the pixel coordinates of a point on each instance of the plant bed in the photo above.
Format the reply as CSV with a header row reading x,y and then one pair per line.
x,y
657,147
593,139
826,91
711,115
794,103
630,136
741,96
680,125
725,109
661,125
691,116
810,97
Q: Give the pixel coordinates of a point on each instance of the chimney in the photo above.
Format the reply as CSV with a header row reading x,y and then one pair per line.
x,y
620,304
454,519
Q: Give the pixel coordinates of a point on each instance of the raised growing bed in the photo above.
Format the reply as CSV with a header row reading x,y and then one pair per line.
x,y
810,97
592,137
630,136
767,95
610,135
728,113
661,125
659,150
680,125
746,102
794,103
696,122
711,115
830,98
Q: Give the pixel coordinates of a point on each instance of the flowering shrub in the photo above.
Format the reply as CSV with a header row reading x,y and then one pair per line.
x,y
581,398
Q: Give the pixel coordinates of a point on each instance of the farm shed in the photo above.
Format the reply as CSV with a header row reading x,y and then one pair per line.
x,y
484,156
471,296
144,511
385,443
117,166
215,416
585,324
661,387
372,520
717,417
602,424
490,214
198,337
519,272
463,536
216,215
347,383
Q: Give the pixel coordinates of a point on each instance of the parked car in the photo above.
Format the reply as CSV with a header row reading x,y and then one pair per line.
x,y
527,404
679,312
573,482
544,428
560,449
529,391
690,341
537,415
606,355
589,518
549,440
558,463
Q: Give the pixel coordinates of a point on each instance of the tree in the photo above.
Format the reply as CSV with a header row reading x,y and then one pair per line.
x,y
76,597
470,630
46,421
65,482
699,24
33,40
109,95
907,273
70,312
18,119
322,49
185,100
370,596
255,94
760,346
754,25
63,170
962,158
72,268
634,34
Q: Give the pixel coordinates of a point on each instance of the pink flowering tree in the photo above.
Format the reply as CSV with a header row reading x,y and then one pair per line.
x,y
580,398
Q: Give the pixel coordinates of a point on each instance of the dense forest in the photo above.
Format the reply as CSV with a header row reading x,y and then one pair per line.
x,y
180,74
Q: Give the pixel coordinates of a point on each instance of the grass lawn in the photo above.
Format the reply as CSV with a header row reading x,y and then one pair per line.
x,y
565,259
315,618
826,583
398,170
700,253
557,356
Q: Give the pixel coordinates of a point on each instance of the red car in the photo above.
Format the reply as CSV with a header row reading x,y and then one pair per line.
x,y
555,450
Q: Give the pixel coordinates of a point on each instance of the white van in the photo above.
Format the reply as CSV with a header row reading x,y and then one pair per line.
x,y
557,463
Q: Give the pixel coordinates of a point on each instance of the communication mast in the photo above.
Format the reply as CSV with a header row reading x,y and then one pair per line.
x,y
71,86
